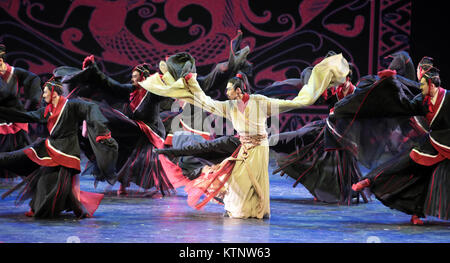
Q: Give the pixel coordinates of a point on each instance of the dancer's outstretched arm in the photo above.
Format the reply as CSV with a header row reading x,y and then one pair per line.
x,y
14,115
186,89
329,72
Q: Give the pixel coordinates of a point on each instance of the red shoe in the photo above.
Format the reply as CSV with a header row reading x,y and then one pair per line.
x,y
122,190
415,220
29,213
359,186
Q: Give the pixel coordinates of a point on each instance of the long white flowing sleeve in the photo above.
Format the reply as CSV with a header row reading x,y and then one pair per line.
x,y
329,72
188,91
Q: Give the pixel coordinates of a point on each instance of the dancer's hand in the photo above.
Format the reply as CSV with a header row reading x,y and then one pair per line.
x,y
88,61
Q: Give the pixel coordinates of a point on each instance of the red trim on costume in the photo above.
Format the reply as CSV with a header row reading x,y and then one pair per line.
x,y
154,138
242,104
434,108
425,159
136,98
443,150
103,137
245,98
32,155
61,158
12,128
205,135
416,123
55,113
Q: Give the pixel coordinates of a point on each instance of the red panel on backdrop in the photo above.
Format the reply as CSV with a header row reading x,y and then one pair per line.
x,y
284,39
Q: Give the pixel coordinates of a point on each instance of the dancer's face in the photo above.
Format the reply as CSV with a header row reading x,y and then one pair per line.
x,y
47,94
135,77
233,94
424,86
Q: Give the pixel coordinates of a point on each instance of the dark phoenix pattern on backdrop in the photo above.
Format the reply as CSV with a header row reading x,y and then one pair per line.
x,y
284,36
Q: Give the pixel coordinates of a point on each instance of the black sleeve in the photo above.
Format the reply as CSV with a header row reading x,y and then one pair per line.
x,y
209,150
13,115
31,84
104,147
122,90
91,113
382,98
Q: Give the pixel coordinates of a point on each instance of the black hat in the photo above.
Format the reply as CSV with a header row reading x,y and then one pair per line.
x,y
402,64
180,64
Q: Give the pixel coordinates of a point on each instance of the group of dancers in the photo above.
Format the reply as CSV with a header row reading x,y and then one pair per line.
x,y
386,134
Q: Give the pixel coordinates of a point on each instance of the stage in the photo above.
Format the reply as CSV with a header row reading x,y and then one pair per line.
x,y
295,218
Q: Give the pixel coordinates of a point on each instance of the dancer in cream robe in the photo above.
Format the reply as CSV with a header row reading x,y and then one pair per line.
x,y
243,180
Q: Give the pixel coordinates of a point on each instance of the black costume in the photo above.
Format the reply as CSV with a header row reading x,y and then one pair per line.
x,y
137,127
415,180
54,162
313,157
20,90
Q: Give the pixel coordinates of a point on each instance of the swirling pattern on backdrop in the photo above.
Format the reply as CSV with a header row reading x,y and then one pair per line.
x,y
284,37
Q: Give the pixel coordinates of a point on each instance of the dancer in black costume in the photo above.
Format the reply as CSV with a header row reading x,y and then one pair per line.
x,y
137,126
313,156
15,81
51,165
416,181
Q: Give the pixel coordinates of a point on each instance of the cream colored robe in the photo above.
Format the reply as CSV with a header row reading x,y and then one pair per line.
x,y
242,199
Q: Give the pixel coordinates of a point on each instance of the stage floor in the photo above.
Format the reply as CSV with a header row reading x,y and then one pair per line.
x,y
295,218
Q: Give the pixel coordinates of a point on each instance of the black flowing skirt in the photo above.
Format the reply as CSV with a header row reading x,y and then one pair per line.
x,y
414,189
144,168
9,143
438,195
137,163
327,174
52,190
